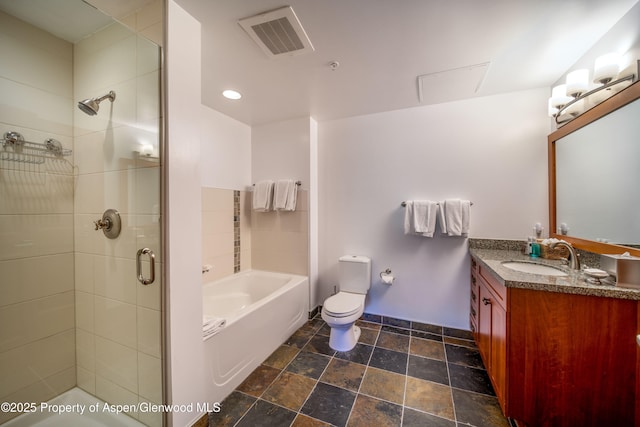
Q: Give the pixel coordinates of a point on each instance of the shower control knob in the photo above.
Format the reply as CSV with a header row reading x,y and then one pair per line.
x,y
110,223
103,224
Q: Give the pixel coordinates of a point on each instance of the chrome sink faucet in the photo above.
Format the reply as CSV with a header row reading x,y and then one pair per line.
x,y
574,261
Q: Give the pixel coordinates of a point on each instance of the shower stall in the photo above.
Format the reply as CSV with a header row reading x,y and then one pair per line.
x,y
80,209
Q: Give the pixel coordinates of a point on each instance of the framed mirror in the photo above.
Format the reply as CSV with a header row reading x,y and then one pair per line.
x,y
594,171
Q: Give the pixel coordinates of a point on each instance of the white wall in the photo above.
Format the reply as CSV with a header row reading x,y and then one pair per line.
x,y
489,150
187,371
225,159
281,150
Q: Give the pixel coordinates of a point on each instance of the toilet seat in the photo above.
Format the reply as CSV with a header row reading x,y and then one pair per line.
x,y
343,304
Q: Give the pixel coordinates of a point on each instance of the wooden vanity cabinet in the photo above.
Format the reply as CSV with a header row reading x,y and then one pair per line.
x,y
572,359
492,329
558,359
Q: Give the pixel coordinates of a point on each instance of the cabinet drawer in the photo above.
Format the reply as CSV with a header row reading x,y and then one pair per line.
x,y
474,297
473,313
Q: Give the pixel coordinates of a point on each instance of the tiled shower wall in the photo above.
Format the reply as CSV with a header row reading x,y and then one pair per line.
x,y
37,337
235,238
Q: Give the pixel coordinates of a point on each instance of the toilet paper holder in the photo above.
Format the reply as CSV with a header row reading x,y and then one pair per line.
x,y
387,277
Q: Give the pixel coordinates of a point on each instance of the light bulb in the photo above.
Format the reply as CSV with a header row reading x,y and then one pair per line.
x,y
231,94
577,82
559,96
552,111
606,68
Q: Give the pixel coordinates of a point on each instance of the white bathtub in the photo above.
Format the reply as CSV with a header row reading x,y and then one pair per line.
x,y
262,309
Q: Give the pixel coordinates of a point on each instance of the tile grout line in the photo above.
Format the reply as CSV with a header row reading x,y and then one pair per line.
x,y
247,411
259,398
317,380
373,347
446,361
406,381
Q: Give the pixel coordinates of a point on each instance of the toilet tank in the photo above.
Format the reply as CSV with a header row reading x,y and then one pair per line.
x,y
355,273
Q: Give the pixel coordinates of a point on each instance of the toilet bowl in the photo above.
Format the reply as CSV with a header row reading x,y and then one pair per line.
x,y
341,311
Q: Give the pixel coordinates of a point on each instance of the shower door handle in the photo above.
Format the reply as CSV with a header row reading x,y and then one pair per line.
x,y
152,266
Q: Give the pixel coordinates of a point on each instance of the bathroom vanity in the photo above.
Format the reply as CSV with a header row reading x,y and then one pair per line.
x,y
559,351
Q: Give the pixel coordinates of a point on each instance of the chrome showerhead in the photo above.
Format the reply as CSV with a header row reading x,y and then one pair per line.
x,y
91,106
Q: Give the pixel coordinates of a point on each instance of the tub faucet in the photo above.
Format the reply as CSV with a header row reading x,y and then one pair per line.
x,y
574,261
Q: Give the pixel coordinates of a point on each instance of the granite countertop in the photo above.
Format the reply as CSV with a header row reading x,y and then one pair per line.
x,y
574,283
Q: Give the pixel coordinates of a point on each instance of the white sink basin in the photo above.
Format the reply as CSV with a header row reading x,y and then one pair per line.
x,y
533,268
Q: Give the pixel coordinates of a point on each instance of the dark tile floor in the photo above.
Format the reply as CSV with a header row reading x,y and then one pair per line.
x,y
399,374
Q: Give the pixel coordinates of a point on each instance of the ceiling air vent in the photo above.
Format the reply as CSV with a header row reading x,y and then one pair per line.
x,y
278,32
451,85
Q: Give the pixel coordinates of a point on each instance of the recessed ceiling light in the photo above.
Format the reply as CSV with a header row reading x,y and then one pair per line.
x,y
231,94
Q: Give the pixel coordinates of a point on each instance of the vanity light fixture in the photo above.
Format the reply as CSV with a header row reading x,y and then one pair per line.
x,y
569,100
231,94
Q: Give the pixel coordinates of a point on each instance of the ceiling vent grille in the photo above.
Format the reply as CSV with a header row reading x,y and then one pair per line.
x,y
278,32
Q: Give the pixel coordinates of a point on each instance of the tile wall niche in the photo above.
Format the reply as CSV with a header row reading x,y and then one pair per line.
x,y
226,232
118,320
37,336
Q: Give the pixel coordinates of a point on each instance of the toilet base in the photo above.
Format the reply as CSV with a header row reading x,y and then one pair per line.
x,y
344,339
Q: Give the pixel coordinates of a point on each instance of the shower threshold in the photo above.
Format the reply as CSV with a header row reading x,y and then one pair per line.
x,y
74,401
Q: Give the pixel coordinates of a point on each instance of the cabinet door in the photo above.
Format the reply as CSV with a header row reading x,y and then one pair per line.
x,y
572,359
498,371
492,340
484,323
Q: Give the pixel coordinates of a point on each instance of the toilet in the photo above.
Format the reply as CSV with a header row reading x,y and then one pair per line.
x,y
341,310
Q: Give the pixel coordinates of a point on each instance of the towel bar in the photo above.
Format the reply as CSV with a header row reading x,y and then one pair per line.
x,y
297,183
404,204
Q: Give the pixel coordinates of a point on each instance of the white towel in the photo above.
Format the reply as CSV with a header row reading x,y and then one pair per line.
x,y
454,217
286,194
424,217
420,217
442,220
292,198
211,326
466,216
408,217
262,195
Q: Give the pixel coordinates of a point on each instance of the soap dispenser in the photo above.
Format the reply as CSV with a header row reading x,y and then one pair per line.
x,y
527,248
535,248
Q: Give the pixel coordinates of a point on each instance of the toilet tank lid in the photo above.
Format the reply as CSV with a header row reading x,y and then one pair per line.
x,y
355,258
